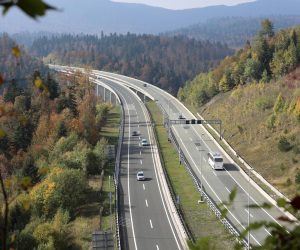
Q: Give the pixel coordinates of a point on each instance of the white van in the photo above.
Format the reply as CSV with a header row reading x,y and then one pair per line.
x,y
215,160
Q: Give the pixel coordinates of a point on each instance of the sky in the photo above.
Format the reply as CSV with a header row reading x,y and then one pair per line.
x,y
184,4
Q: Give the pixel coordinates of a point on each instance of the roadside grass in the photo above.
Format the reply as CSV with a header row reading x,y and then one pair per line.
x,y
253,134
199,218
95,214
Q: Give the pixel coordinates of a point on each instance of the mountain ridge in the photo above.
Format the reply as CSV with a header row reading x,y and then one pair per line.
x,y
110,17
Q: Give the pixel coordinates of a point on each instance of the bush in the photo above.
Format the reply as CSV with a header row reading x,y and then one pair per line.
x,y
264,103
63,188
283,144
271,121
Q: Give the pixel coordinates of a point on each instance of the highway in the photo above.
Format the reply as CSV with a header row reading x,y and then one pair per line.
x,y
195,143
145,222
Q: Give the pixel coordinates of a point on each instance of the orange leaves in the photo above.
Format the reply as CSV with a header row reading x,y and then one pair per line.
x,y
16,51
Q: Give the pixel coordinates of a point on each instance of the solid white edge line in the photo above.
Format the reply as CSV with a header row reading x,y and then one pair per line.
x,y
156,175
202,176
128,185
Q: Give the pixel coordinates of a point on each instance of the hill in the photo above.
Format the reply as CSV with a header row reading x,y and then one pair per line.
x,y
234,30
164,61
94,16
256,93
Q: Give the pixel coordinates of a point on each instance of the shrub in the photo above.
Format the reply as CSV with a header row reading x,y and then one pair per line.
x,y
63,188
264,103
283,144
271,121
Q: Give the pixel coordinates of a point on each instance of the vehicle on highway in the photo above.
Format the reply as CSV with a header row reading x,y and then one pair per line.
x,y
140,176
134,133
180,117
145,84
215,160
144,142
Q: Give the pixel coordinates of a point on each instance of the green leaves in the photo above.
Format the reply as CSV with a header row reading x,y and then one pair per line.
x,y
32,8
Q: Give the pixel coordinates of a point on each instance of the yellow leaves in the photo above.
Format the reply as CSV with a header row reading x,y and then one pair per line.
x,y
8,183
40,85
16,51
38,82
2,133
23,120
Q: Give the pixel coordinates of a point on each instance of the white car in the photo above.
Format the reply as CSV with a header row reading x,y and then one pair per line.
x,y
144,142
140,176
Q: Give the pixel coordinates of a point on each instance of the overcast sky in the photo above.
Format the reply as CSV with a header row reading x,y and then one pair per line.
x,y
185,4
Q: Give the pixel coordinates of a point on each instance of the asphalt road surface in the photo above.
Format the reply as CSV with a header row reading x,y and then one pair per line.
x,y
195,144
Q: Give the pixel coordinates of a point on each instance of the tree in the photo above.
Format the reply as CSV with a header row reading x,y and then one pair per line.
x,y
267,29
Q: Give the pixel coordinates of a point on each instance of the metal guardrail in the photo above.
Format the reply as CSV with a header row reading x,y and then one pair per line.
x,y
172,192
212,205
117,178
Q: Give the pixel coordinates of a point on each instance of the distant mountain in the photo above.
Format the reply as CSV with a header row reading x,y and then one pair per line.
x,y
94,16
235,31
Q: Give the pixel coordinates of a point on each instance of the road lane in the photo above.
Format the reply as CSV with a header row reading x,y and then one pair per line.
x,y
218,183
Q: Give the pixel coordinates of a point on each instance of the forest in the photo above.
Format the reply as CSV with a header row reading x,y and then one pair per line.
x,y
164,61
235,31
269,57
50,140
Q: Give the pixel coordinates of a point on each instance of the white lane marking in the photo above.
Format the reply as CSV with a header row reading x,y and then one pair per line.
x,y
151,224
146,203
191,139
138,125
141,162
140,152
156,176
248,212
143,186
212,188
128,185
185,131
267,231
157,248
214,173
234,178
227,189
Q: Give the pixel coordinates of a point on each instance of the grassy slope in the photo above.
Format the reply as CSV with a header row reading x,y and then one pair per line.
x,y
201,221
88,219
245,113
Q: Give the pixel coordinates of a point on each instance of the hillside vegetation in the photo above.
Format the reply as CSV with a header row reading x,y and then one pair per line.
x,y
256,93
235,31
163,61
52,161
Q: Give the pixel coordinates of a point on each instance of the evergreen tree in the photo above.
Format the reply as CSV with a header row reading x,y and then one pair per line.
x,y
267,29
